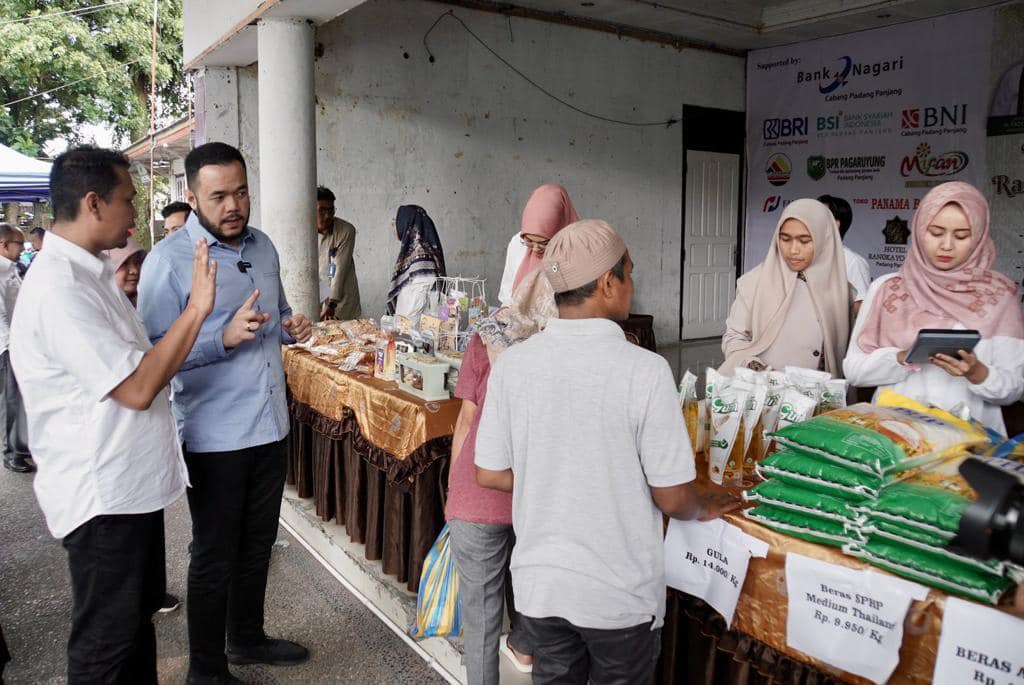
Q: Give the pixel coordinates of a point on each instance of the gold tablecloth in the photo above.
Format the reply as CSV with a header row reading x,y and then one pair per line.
x,y
762,608
388,418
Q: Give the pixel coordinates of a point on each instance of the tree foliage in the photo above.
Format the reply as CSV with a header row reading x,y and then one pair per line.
x,y
100,60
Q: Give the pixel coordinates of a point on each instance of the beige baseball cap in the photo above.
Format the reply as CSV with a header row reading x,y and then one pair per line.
x,y
581,253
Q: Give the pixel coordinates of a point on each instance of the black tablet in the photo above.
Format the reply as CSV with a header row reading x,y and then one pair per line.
x,y
932,341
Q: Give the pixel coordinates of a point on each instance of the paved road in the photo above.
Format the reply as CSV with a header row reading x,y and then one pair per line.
x,y
304,603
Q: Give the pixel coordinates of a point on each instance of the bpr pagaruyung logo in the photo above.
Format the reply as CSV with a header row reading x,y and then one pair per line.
x,y
896,231
778,169
816,167
924,163
832,77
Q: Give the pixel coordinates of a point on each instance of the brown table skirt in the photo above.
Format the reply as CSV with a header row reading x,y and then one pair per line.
x,y
351,482
696,648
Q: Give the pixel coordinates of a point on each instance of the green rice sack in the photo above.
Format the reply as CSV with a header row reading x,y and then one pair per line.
x,y
933,570
803,500
814,473
900,538
933,509
922,535
803,526
880,441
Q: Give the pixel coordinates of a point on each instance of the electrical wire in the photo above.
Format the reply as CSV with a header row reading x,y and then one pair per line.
x,y
478,39
69,84
78,11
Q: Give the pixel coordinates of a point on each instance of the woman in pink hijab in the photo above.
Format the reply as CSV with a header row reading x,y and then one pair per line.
x,y
947,281
127,264
547,212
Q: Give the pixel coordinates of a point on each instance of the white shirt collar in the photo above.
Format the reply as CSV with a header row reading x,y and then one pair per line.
x,y
77,255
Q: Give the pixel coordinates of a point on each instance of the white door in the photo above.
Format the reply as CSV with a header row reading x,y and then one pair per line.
x,y
709,241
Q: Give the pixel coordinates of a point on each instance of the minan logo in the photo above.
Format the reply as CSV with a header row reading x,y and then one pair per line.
x,y
924,163
831,78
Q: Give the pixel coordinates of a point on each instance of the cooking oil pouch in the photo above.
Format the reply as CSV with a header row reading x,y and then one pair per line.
x,y
931,569
691,408
814,473
753,428
804,526
786,496
833,395
726,448
772,405
881,440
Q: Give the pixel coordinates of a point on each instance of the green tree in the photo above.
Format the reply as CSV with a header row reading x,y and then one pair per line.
x,y
99,60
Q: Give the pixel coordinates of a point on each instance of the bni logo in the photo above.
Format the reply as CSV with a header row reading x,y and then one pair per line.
x,y
771,203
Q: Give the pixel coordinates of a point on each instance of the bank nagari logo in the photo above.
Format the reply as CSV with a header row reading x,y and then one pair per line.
x,y
776,128
778,169
896,231
771,203
816,167
832,77
924,163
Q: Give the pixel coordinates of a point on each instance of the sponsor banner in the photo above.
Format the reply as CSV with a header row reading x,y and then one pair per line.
x,y
877,118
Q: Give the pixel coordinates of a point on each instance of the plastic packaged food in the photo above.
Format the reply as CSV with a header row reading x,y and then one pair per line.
x,y
804,526
821,475
726,449
690,406
786,496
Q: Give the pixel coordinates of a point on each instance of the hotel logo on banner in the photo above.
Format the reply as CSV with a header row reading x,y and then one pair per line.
x,y
934,121
924,163
831,78
779,169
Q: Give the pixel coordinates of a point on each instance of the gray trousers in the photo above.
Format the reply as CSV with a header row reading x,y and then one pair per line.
x,y
482,553
15,432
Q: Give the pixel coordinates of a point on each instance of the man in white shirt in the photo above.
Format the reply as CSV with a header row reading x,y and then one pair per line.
x,y
99,417
858,272
606,453
12,244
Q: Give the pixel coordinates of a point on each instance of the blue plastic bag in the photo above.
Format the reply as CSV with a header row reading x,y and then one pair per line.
x,y
438,609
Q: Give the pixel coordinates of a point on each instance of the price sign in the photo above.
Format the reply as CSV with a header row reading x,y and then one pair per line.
x,y
979,645
849,618
708,559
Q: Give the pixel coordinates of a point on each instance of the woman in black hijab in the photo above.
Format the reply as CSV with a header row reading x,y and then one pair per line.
x,y
420,261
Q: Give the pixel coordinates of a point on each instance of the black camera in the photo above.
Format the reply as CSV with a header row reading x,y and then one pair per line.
x,y
993,526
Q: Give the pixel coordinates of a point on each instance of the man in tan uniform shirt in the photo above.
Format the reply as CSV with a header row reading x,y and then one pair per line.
x,y
339,287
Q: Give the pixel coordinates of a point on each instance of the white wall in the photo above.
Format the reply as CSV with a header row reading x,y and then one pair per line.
x,y
469,140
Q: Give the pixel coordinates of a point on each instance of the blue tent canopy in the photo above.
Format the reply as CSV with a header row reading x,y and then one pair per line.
x,y
23,179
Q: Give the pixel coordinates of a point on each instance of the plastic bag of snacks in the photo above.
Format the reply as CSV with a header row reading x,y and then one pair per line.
x,y
880,440
727,402
804,526
932,569
786,496
821,475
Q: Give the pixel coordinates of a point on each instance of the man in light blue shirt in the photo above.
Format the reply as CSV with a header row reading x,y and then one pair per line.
x,y
229,402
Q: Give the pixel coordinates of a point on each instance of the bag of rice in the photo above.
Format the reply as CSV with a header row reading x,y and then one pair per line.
x,y
880,440
803,500
814,473
804,526
932,569
931,509
726,406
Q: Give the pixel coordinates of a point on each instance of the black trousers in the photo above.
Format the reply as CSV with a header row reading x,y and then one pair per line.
x,y
235,500
15,423
117,583
569,655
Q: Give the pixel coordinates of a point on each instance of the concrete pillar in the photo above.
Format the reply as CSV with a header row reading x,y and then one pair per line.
x,y
217,106
287,142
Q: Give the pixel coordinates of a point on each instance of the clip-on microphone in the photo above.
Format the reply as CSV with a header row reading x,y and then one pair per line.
x,y
244,266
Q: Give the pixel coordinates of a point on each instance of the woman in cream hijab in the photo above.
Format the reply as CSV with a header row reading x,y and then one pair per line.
x,y
793,309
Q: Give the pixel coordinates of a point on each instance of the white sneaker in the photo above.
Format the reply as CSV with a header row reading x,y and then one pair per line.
x,y
511,656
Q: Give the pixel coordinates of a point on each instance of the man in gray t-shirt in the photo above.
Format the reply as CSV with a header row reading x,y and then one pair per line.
x,y
585,430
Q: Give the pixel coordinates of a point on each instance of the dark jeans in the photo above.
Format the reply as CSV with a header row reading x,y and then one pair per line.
x,y
235,500
15,424
569,655
117,583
